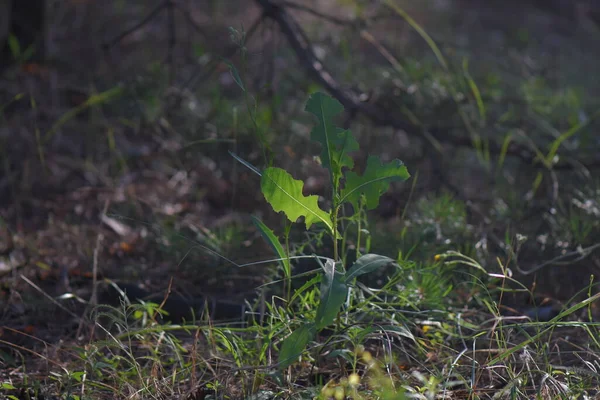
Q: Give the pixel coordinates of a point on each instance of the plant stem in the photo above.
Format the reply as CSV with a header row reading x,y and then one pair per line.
x,y
287,289
334,219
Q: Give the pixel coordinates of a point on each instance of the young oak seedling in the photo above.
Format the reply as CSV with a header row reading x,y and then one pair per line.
x,y
284,194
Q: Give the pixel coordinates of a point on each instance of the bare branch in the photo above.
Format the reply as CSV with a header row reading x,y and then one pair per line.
x,y
137,26
379,115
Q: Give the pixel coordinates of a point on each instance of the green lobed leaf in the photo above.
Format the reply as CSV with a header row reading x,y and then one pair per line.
x,y
333,294
335,142
344,143
373,183
294,345
272,240
284,193
365,264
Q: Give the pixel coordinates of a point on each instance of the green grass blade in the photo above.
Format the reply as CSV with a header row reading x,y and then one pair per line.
x,y
504,149
566,135
475,91
94,100
272,240
420,31
551,325
235,75
245,163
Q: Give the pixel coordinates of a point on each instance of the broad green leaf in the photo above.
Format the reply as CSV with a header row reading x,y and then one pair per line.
x,y
284,193
335,143
373,183
294,345
272,240
344,143
324,108
333,294
365,264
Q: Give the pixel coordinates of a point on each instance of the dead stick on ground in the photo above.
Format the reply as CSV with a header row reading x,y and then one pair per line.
x,y
94,297
99,239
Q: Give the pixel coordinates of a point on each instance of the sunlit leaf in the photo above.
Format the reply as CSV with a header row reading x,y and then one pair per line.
x,y
284,193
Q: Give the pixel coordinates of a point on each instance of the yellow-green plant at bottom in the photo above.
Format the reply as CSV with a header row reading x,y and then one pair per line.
x,y
373,384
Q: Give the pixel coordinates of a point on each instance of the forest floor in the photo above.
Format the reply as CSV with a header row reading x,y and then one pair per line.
x,y
118,169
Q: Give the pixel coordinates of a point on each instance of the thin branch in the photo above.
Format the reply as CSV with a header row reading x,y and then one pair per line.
x,y
187,15
327,17
229,51
137,26
302,47
172,39
97,248
567,259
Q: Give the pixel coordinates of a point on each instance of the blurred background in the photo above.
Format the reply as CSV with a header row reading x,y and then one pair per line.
x,y
117,119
